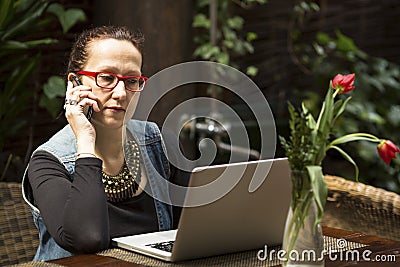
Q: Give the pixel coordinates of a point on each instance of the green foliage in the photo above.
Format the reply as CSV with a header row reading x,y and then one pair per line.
x,y
319,189
21,24
298,49
299,147
375,103
309,141
374,107
53,90
16,18
230,40
251,71
67,18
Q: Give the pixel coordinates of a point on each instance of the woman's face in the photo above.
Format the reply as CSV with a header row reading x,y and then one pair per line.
x,y
122,58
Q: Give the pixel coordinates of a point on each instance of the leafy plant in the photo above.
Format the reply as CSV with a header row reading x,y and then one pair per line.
x,y
375,106
55,88
53,91
221,35
310,140
22,24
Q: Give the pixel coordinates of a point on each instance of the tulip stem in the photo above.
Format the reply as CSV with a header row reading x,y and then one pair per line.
x,y
353,137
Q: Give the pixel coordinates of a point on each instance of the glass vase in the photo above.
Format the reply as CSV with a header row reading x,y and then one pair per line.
x,y
303,241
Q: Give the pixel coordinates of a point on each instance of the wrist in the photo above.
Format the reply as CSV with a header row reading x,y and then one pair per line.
x,y
85,146
86,155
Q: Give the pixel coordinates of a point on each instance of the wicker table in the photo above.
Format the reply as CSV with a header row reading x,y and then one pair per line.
x,y
359,242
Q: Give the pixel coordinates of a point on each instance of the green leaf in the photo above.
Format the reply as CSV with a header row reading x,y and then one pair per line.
x,y
323,38
68,18
71,17
24,6
314,6
300,210
300,148
325,114
214,51
239,48
6,47
319,188
319,49
249,47
54,87
201,21
345,43
251,71
354,137
229,34
26,22
235,23
323,126
251,36
6,12
45,41
19,76
202,49
57,9
53,106
310,119
13,45
228,43
222,58
202,3
340,107
348,158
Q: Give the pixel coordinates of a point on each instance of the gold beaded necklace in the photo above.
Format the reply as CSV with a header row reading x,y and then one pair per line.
x,y
125,184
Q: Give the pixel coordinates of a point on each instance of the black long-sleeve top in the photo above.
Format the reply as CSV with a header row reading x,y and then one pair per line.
x,y
77,214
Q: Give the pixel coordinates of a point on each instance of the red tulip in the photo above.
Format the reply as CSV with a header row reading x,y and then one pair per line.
x,y
343,83
387,150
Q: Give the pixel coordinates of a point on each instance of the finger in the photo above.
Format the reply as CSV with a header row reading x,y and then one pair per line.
x,y
75,108
73,92
69,103
77,93
70,85
69,88
88,94
79,88
83,88
72,110
89,102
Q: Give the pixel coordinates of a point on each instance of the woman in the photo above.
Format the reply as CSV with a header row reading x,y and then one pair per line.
x,y
78,185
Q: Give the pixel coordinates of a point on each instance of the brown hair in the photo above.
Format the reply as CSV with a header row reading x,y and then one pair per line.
x,y
79,54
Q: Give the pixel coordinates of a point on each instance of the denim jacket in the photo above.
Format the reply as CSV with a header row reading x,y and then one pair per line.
x,y
62,146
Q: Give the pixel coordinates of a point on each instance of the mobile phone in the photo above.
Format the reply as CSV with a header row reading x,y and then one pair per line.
x,y
90,109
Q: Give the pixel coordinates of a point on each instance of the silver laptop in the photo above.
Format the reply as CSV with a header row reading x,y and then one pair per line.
x,y
250,215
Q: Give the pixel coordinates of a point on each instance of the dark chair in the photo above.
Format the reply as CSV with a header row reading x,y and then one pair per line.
x,y
362,208
19,237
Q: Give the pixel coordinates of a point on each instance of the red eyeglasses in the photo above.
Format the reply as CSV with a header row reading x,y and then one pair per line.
x,y
108,80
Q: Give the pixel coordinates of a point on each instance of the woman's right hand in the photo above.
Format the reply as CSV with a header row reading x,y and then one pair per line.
x,y
81,97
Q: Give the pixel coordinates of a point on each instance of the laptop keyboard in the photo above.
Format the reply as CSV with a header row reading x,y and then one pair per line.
x,y
166,246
